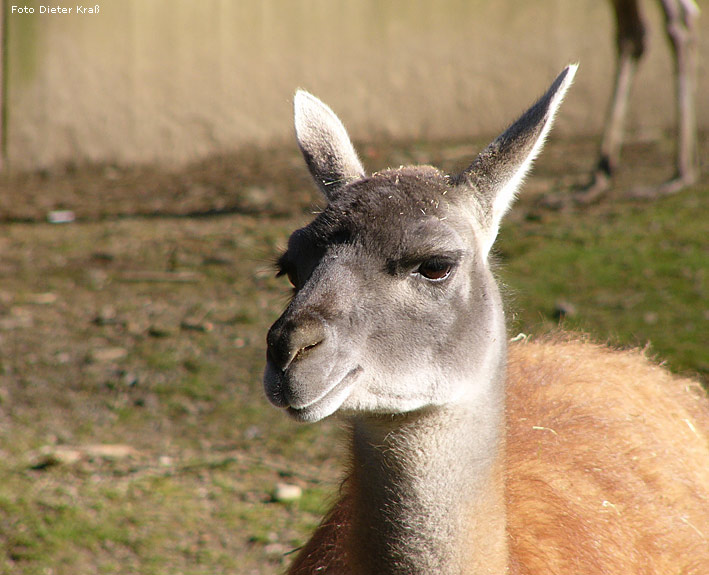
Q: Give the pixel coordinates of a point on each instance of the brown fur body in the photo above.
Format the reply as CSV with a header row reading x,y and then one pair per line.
x,y
607,468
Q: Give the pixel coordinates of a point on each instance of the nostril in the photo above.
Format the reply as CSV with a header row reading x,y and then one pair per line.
x,y
306,348
291,341
299,353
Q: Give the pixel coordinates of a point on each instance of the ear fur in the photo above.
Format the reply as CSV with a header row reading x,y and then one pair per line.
x,y
326,147
497,173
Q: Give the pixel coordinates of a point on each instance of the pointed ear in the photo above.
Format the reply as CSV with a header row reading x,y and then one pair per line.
x,y
495,175
327,148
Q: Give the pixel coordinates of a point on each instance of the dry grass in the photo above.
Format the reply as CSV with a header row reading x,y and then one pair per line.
x,y
148,332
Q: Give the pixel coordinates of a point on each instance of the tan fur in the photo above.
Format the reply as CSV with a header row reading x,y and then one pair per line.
x,y
608,463
607,468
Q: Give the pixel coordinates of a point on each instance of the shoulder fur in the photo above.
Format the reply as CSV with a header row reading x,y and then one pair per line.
x,y
608,463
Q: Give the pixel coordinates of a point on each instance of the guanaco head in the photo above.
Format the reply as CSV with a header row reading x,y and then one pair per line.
x,y
394,306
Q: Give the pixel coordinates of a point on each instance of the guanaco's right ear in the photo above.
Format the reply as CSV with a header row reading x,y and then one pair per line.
x,y
326,147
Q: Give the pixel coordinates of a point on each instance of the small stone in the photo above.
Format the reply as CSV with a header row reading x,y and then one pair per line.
x,y
110,451
287,492
651,318
108,354
61,217
51,456
106,316
46,298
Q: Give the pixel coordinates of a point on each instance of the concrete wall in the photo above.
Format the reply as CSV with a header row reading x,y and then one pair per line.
x,y
175,80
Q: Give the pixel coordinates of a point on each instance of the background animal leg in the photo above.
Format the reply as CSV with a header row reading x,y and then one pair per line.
x,y
630,43
680,23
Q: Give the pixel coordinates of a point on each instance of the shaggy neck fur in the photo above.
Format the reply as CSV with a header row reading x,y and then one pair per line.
x,y
428,490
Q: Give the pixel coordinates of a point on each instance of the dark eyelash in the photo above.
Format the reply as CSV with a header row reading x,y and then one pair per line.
x,y
283,268
277,265
282,265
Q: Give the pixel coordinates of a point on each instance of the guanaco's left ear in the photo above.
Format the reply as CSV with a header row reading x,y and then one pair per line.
x,y
327,148
496,174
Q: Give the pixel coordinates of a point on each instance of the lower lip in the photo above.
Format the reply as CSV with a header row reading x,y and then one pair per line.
x,y
302,413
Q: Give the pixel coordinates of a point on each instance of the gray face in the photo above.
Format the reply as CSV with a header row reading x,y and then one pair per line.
x,y
394,306
392,301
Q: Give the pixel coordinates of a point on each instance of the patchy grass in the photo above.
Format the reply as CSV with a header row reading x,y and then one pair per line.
x,y
631,274
146,335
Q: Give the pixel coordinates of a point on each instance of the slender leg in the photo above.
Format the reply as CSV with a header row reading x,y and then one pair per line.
x,y
630,44
612,139
680,24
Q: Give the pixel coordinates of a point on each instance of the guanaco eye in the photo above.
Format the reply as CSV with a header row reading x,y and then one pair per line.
x,y
435,269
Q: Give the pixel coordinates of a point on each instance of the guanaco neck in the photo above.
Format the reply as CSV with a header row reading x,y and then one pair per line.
x,y
428,490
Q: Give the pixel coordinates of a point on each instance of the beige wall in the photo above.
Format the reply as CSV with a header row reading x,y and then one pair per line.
x,y
175,80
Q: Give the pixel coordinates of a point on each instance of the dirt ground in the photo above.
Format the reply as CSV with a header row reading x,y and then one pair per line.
x,y
134,435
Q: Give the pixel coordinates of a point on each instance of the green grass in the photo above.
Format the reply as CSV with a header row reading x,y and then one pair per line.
x,y
196,495
635,275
